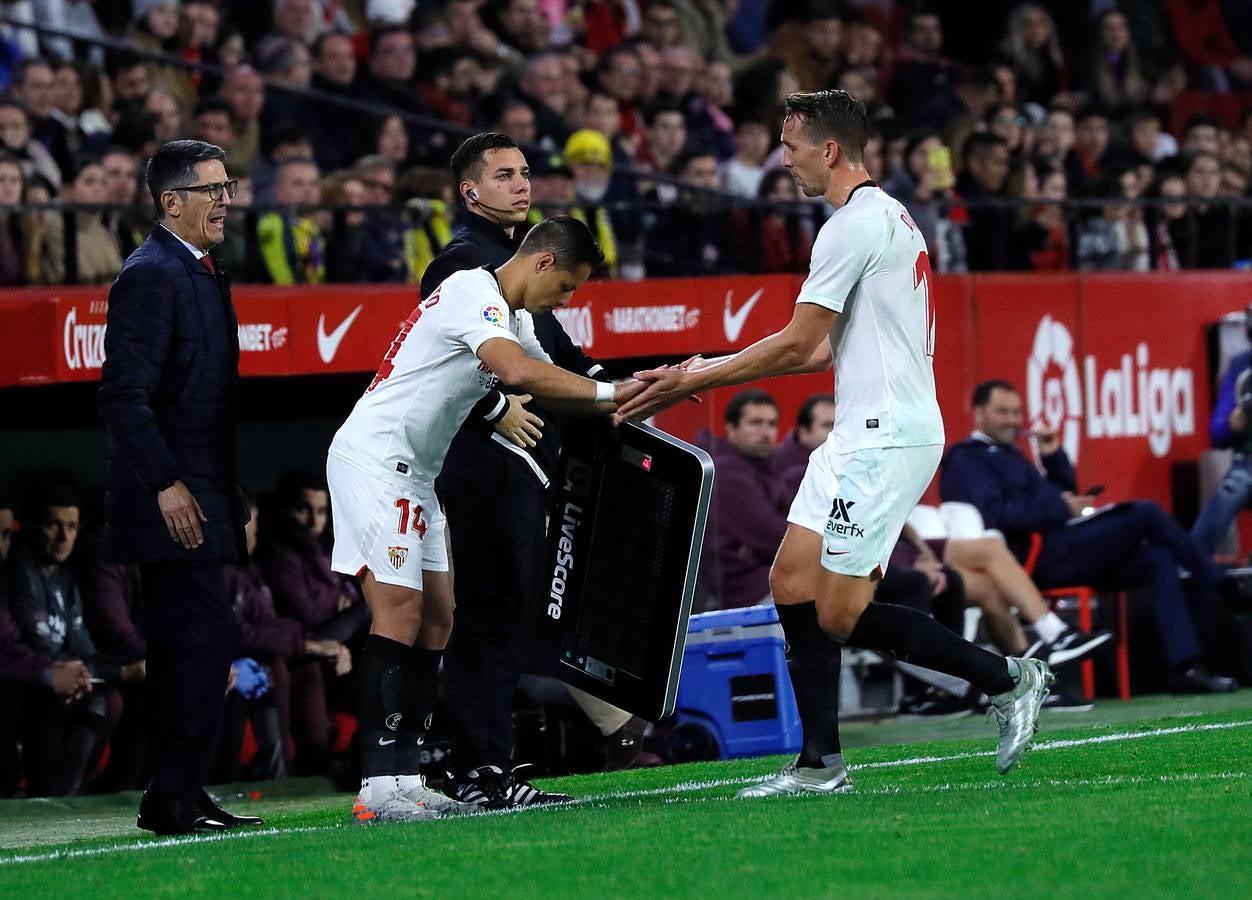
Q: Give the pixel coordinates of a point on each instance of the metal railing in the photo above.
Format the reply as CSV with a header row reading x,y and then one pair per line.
x,y
692,235
432,127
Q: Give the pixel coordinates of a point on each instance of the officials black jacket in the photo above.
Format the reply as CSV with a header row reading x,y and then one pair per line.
x,y
167,395
1007,488
479,242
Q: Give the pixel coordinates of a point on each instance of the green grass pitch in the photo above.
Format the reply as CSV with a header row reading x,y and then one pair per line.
x,y
1147,798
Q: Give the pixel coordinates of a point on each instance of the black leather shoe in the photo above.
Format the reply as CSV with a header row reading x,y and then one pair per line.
x,y
169,817
209,807
1199,680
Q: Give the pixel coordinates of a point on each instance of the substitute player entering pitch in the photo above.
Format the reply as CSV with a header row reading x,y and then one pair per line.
x,y
473,329
866,303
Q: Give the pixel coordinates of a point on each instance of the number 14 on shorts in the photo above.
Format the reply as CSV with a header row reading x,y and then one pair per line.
x,y
418,524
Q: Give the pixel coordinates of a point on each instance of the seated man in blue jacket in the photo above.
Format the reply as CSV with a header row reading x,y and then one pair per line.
x,y
1230,426
1131,545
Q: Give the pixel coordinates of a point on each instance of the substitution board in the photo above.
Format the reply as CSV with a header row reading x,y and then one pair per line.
x,y
624,537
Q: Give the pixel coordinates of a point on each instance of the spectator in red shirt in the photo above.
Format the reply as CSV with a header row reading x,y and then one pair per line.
x,y
620,74
778,239
1044,237
1205,45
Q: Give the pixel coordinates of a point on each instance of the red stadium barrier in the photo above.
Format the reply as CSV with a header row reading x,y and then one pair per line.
x,y
1116,362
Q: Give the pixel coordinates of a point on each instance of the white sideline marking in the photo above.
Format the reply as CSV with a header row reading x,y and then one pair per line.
x,y
998,785
1059,744
162,843
690,787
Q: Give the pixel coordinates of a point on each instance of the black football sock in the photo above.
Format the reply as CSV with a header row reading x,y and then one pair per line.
x,y
385,668
813,660
420,690
912,637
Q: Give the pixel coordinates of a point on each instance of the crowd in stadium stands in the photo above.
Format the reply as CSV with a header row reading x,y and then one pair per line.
x,y
988,125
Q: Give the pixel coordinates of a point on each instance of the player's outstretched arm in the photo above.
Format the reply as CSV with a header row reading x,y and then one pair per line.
x,y
794,349
551,383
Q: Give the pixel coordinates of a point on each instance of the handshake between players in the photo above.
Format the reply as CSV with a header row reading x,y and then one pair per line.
x,y
474,330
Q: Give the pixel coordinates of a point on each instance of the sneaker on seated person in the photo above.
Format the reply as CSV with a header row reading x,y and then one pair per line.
x,y
1069,647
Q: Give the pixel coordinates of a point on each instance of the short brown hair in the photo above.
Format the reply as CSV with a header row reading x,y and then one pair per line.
x,y
832,114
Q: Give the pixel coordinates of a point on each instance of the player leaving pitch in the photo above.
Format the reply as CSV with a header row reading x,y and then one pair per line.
x,y
865,304
473,330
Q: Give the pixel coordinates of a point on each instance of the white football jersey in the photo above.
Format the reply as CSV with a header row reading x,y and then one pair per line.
x,y
869,264
431,378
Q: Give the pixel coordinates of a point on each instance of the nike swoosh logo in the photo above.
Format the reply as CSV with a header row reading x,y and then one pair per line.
x,y
838,552
732,322
328,344
384,742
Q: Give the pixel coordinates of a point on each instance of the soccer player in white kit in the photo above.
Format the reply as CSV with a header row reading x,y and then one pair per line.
x,y
866,304
381,468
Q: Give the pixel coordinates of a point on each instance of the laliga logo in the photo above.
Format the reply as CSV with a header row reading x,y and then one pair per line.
x,y
1052,388
1132,400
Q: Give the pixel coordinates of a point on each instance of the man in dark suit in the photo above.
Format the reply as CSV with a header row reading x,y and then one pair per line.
x,y
1130,545
173,506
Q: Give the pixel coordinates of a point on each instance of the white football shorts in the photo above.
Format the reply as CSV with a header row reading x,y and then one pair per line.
x,y
394,528
859,501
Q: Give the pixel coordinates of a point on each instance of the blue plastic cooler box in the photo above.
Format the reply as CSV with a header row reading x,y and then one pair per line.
x,y
735,683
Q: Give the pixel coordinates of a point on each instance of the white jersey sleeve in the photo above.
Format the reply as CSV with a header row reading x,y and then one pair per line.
x,y
527,337
840,258
472,319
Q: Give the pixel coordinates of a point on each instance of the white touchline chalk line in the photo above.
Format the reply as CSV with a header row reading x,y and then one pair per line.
x,y
1059,744
999,785
690,787
162,843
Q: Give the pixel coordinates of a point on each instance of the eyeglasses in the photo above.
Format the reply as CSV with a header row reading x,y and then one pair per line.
x,y
213,190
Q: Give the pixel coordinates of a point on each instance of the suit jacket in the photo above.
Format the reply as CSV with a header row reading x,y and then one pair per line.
x,y
167,396
1007,489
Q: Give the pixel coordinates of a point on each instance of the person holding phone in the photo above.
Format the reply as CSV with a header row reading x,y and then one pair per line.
x,y
924,185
